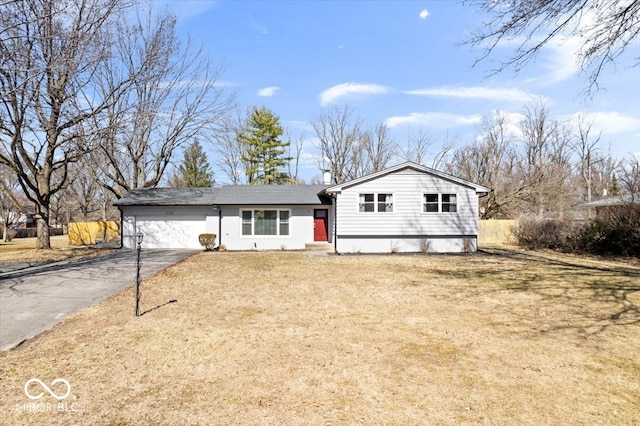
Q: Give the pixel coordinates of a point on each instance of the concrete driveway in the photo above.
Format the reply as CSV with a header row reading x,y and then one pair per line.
x,y
33,298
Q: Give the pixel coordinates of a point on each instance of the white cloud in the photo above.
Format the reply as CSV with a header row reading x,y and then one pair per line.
x,y
423,14
434,119
332,94
477,93
267,92
610,122
260,29
512,121
561,61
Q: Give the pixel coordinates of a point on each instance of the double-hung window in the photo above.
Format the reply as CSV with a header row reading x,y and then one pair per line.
x,y
449,204
367,203
265,222
385,203
381,203
439,203
430,203
283,222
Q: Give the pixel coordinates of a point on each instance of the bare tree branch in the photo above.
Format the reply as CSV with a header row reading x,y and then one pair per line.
x,y
605,28
50,50
339,135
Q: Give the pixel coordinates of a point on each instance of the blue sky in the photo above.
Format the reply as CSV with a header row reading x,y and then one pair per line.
x,y
396,62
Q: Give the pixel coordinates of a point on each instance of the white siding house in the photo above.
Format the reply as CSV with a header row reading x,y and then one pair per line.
x,y
244,217
168,218
240,227
406,208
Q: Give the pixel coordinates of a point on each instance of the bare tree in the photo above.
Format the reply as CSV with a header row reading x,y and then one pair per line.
x,y
417,148
294,152
440,158
603,177
83,198
629,177
339,134
174,98
379,149
492,161
586,146
230,151
50,52
606,29
545,168
11,203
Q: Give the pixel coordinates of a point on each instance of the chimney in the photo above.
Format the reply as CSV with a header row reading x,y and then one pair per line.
x,y
326,177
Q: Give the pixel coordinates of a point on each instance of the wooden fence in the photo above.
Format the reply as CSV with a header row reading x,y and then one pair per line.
x,y
497,232
88,233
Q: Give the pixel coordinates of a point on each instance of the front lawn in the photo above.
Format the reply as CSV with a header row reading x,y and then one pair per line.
x,y
285,339
24,250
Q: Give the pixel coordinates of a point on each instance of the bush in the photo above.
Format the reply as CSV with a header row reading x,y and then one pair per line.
x,y
208,241
616,231
552,234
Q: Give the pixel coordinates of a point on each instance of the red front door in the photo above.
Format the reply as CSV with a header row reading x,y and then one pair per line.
x,y
320,224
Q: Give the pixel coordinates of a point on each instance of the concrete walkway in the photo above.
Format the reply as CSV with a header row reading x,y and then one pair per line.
x,y
35,297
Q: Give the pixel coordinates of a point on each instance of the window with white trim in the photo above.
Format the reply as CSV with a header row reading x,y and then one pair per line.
x,y
381,203
430,203
265,222
439,203
449,204
283,225
367,203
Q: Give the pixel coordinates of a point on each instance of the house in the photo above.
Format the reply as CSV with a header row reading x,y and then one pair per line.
x,y
405,208
244,217
607,207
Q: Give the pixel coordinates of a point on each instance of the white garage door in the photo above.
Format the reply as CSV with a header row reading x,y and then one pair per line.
x,y
179,231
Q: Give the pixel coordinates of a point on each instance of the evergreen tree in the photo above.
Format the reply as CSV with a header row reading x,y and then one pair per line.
x,y
194,171
265,157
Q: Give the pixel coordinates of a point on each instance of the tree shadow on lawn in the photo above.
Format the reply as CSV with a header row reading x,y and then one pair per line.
x,y
586,298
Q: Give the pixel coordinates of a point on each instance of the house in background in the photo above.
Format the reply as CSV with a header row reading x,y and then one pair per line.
x,y
406,208
606,207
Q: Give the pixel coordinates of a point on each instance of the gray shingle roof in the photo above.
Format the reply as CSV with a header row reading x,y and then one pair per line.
x,y
480,189
169,197
227,195
613,201
272,195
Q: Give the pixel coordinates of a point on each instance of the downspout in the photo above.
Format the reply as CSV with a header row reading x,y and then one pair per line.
x,y
334,197
219,226
121,227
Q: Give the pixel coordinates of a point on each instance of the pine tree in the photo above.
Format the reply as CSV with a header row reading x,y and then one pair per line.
x,y
265,157
194,171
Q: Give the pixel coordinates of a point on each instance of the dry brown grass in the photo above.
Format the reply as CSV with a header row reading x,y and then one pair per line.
x,y
281,338
23,250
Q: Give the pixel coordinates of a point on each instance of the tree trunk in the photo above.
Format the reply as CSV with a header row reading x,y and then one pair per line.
x,y
43,241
